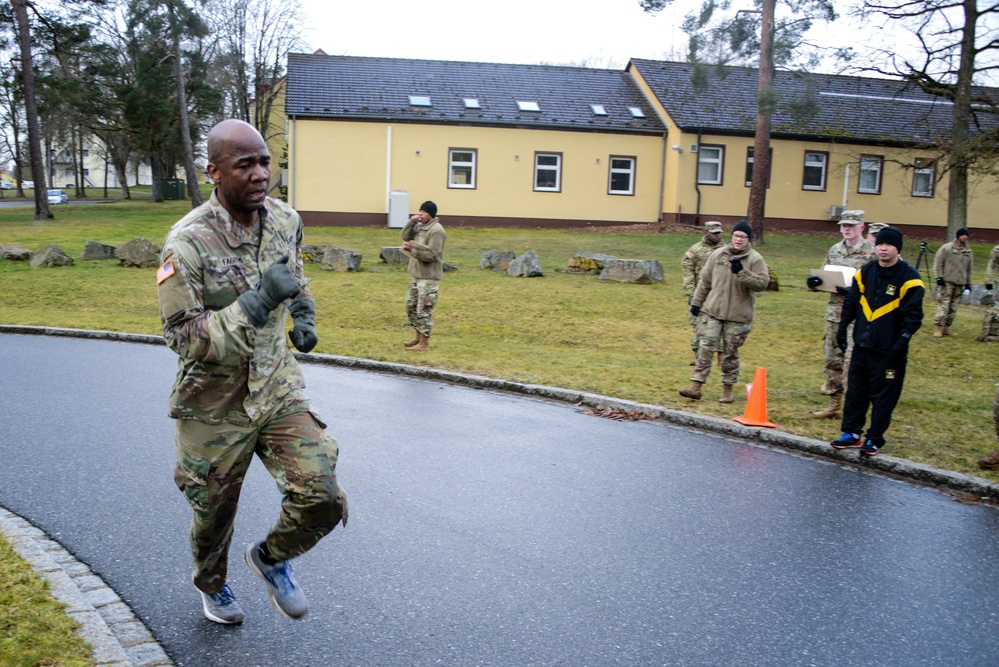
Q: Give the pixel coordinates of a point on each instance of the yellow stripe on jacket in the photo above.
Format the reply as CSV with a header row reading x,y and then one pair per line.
x,y
872,315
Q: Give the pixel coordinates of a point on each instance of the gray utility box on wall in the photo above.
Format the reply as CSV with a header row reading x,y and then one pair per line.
x,y
398,213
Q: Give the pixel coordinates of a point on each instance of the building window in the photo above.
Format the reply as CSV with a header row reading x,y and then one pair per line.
x,y
461,170
924,178
636,112
750,151
419,101
524,105
599,109
622,176
548,172
870,174
70,171
814,177
710,164
472,103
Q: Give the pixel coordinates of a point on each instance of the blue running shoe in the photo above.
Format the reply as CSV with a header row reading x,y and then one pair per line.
x,y
846,441
286,595
869,448
221,607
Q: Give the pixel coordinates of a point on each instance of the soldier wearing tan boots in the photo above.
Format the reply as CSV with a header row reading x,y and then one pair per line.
x,y
423,240
853,251
952,267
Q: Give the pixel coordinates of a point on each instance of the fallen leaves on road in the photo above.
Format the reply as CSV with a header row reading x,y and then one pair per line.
x,y
617,413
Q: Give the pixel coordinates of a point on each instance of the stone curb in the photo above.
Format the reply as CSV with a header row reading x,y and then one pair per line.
x,y
888,465
117,637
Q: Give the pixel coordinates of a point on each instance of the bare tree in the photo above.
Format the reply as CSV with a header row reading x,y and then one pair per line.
x,y
27,72
958,43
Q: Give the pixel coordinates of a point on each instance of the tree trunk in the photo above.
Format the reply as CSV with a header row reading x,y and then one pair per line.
x,y
764,110
42,211
185,124
957,188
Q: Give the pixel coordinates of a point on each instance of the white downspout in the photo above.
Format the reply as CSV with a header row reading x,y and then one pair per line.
x,y
846,184
388,169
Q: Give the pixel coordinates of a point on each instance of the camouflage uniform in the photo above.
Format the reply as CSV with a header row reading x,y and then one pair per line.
x,y
426,266
990,324
836,362
952,263
692,263
239,390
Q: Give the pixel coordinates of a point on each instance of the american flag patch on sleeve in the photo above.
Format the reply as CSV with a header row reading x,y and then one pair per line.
x,y
164,271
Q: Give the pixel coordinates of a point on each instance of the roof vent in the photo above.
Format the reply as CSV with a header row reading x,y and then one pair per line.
x,y
419,101
528,106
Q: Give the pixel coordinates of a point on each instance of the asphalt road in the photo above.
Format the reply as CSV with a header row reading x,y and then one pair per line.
x,y
489,529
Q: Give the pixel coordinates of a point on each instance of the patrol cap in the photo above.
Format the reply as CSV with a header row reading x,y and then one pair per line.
x,y
713,227
854,217
875,227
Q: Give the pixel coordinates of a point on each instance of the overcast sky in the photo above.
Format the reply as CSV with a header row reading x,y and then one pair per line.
x,y
595,33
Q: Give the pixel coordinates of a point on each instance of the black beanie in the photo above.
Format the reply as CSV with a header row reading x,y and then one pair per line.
x,y
891,236
430,208
962,232
743,226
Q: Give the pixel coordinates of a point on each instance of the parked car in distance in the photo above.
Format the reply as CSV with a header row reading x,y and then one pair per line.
x,y
58,197
28,185
7,185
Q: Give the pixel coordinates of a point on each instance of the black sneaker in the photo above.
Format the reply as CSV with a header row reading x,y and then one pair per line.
x,y
846,441
869,448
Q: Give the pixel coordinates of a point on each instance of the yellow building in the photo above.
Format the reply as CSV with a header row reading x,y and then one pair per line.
x,y
548,146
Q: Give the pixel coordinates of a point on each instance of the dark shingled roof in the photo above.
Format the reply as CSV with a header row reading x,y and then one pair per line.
x,y
345,87
809,106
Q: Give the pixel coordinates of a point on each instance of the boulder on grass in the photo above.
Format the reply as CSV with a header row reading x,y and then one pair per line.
x,y
341,259
588,262
497,260
95,250
49,256
393,255
637,271
139,252
527,265
15,252
313,253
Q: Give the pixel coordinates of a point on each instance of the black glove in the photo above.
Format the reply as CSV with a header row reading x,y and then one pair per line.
x,y
900,348
813,281
842,289
988,286
736,265
303,336
276,284
841,339
695,310
940,281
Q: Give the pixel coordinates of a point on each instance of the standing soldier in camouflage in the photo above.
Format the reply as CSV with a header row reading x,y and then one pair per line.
x,y
231,274
724,300
872,230
952,267
853,251
692,263
992,461
990,324
423,240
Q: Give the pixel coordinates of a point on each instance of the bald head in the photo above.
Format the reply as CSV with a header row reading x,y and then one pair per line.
x,y
240,167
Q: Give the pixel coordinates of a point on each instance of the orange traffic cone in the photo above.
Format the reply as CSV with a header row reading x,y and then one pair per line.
x,y
756,404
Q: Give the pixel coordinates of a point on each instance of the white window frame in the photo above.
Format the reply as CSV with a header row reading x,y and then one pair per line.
x,y
599,109
927,172
454,165
812,165
528,105
711,155
870,164
557,168
615,169
472,103
420,101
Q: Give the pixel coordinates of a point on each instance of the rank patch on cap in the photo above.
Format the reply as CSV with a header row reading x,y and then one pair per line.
x,y
165,271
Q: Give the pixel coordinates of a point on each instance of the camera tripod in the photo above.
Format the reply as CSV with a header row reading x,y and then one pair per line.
x,y
923,260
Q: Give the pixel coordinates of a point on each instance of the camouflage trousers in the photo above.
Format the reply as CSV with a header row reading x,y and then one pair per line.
x,y
949,295
726,337
990,326
212,460
837,364
420,301
694,336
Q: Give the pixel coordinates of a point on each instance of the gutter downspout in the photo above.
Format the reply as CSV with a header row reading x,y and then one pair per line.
x,y
388,170
846,184
662,181
292,158
697,185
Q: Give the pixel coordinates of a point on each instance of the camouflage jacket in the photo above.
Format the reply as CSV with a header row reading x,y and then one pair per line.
x,y
229,371
841,254
692,263
426,259
729,296
992,268
953,263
